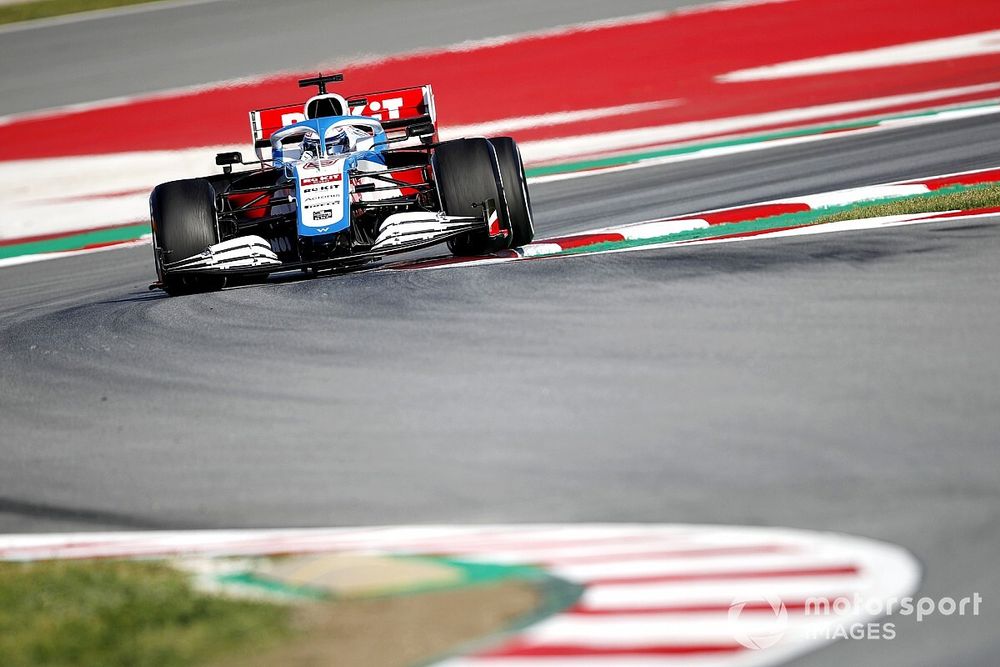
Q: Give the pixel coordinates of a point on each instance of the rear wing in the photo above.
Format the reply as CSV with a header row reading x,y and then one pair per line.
x,y
397,110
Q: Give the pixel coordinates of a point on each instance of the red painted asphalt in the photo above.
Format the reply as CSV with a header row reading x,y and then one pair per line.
x,y
675,57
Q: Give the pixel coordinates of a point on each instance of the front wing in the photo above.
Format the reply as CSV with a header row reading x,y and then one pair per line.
x,y
253,254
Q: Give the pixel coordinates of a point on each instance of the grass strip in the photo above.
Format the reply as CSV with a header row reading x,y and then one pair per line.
x,y
107,613
959,197
955,198
43,9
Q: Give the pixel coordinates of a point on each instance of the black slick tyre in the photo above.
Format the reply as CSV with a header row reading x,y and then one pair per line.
x,y
184,224
515,187
467,174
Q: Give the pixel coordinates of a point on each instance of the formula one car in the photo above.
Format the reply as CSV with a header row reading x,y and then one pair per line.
x,y
338,183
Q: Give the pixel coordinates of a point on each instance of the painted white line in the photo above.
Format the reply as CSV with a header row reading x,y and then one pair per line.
x,y
948,114
539,249
654,596
526,544
950,174
698,154
577,146
616,566
768,144
651,230
44,256
913,53
494,127
622,550
666,629
120,100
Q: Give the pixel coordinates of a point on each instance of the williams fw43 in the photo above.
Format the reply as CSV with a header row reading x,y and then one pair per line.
x,y
338,182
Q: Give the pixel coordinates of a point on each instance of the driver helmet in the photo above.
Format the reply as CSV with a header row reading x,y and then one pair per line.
x,y
310,147
344,140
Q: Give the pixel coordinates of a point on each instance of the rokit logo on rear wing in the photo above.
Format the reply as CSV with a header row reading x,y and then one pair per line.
x,y
395,105
379,109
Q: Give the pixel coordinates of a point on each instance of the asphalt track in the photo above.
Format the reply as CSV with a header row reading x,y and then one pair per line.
x,y
844,382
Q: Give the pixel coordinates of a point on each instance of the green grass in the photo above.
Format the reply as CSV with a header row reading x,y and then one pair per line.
x,y
958,198
120,613
42,9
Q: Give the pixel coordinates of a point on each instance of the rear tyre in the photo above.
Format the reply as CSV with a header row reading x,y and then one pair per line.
x,y
515,188
184,224
467,173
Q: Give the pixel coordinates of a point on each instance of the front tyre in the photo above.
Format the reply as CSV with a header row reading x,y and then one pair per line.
x,y
184,224
467,174
515,188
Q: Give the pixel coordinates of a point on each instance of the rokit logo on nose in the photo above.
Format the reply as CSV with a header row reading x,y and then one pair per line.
x,y
328,178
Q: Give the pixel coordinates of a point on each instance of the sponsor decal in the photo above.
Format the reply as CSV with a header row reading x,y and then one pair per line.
x,y
392,105
317,164
380,109
325,214
328,178
323,200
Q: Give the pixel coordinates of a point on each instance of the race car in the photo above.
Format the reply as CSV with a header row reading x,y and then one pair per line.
x,y
339,182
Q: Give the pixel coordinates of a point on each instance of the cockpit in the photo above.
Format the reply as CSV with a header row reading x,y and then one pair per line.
x,y
302,141
339,141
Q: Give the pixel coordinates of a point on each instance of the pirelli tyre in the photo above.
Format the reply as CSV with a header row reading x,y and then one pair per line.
x,y
515,187
467,174
184,224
